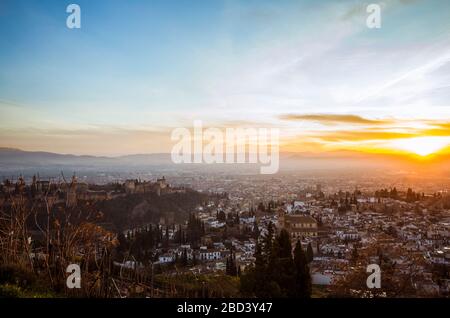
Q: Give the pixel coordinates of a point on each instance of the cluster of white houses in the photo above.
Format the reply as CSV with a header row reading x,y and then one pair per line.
x,y
202,254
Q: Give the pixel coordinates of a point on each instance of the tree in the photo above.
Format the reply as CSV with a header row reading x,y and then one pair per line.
x,y
281,265
231,268
221,216
236,219
254,281
194,259
166,238
194,229
274,272
394,193
268,241
123,243
302,275
255,232
395,282
309,253
261,207
184,258
284,244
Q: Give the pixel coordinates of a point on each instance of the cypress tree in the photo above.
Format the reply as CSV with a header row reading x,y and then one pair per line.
x,y
302,275
281,265
255,232
309,253
268,241
184,260
284,244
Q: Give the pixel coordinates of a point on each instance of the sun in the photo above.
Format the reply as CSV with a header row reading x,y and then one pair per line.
x,y
422,146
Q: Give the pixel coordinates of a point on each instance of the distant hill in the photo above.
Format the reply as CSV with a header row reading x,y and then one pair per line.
x,y
16,160
17,157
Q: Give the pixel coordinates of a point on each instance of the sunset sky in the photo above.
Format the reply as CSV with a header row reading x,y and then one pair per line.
x,y
137,69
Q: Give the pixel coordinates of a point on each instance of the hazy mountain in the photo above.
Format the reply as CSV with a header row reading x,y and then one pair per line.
x,y
13,160
19,160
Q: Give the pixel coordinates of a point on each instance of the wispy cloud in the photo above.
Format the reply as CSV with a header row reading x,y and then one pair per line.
x,y
332,119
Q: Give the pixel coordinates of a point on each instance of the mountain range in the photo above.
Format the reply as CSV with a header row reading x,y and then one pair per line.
x,y
12,159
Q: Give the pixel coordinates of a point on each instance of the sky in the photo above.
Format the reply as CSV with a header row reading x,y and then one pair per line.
x,y
136,70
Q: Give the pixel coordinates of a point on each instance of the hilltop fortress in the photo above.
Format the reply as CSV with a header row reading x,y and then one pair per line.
x,y
73,191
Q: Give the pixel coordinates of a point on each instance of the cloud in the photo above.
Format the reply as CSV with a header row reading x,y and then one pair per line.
x,y
417,72
438,129
363,135
372,138
444,125
334,119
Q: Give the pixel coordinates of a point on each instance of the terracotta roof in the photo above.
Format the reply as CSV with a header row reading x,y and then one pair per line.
x,y
298,218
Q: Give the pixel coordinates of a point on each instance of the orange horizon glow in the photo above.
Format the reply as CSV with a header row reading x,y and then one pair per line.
x,y
419,139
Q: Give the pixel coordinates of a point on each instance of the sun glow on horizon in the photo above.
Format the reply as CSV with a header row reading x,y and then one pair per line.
x,y
422,146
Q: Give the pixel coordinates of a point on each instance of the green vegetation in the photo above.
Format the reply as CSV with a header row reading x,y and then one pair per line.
x,y
277,273
203,286
19,282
